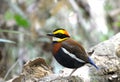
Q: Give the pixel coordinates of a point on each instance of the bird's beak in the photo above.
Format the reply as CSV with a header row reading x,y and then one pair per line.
x,y
50,34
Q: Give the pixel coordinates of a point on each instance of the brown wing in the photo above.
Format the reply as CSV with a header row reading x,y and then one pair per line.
x,y
76,49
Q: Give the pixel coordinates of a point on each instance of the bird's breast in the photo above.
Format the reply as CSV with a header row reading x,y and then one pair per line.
x,y
66,60
56,47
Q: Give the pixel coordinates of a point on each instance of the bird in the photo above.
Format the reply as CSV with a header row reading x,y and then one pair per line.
x,y
68,52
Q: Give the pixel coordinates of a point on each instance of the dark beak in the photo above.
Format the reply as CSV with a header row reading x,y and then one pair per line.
x,y
49,34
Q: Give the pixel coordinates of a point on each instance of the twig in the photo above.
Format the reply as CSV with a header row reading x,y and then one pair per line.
x,y
10,69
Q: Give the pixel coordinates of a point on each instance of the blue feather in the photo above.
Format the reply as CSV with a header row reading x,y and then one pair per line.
x,y
92,63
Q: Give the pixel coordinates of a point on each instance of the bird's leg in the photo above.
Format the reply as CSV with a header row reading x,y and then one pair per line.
x,y
73,71
90,52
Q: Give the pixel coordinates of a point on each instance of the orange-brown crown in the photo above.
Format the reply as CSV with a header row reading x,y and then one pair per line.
x,y
61,31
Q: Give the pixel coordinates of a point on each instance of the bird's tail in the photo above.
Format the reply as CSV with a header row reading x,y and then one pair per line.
x,y
92,63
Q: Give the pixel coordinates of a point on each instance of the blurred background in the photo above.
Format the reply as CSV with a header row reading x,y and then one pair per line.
x,y
25,23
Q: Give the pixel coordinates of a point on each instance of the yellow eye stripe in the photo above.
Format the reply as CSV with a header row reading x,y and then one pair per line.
x,y
60,40
59,31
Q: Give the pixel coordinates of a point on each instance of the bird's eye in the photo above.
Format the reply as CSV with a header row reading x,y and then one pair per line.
x,y
60,35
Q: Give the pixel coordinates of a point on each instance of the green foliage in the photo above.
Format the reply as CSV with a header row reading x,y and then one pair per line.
x,y
8,15
117,24
107,36
103,37
21,21
108,6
